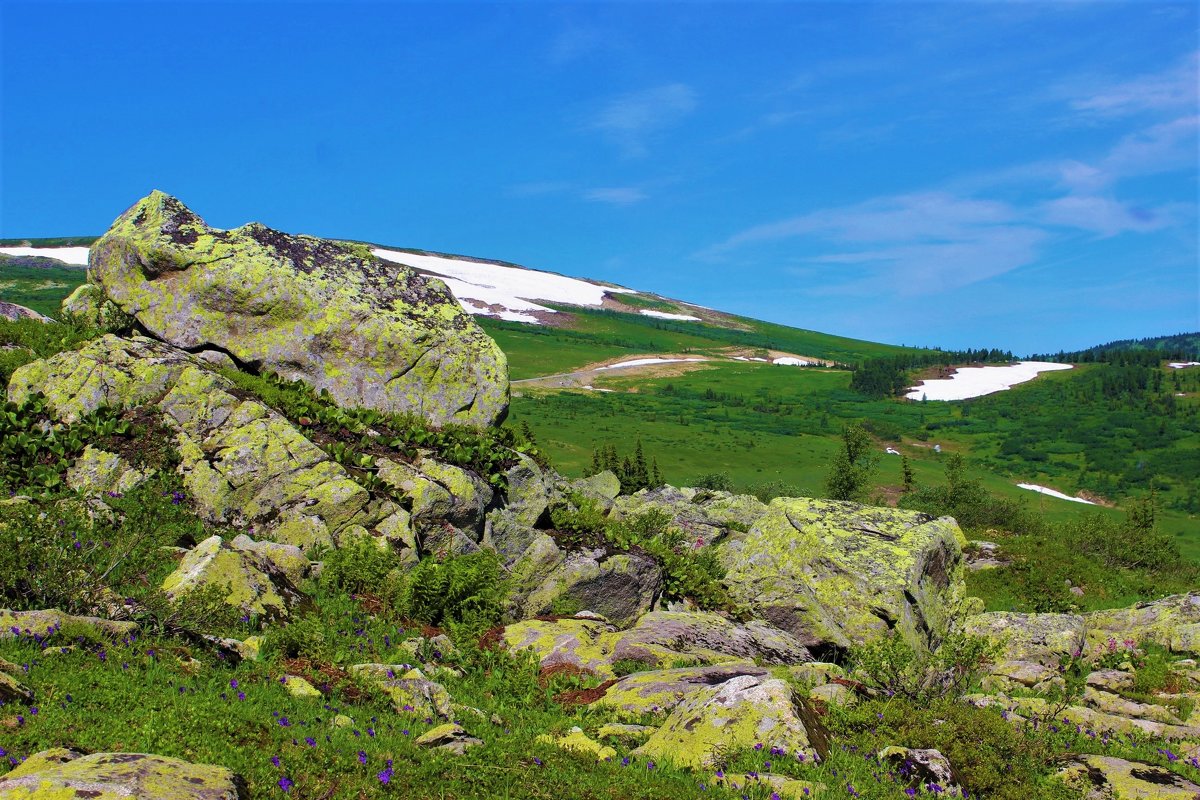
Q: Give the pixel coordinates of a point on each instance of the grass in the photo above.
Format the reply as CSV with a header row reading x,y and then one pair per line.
x,y
41,288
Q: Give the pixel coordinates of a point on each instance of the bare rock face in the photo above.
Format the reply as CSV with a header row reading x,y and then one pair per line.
x,y
373,334
12,311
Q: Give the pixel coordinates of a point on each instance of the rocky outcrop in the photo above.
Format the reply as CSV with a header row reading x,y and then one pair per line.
x,y
837,574
243,463
732,716
1044,639
109,776
408,689
619,587
705,516
1172,622
449,738
98,472
372,333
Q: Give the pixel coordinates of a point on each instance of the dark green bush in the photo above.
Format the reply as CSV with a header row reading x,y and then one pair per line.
x,y
894,667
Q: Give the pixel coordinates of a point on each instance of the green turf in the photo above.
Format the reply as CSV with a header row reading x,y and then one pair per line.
x,y
37,283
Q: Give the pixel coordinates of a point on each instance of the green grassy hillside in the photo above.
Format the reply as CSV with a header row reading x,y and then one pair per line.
x,y
37,283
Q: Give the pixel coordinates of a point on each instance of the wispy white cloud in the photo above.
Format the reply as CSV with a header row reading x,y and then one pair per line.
x,y
615,195
1169,90
631,119
1106,216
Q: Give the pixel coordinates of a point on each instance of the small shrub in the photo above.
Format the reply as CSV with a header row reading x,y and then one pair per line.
x,y
300,637
715,481
893,666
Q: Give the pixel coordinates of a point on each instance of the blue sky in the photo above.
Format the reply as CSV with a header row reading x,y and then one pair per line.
x,y
1021,175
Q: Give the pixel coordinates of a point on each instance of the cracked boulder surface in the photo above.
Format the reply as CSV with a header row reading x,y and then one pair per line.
x,y
106,776
243,463
372,333
837,574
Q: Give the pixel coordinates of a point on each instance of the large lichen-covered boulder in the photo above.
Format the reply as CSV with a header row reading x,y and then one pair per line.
x,y
372,333
586,643
62,773
1172,622
1106,777
89,306
730,717
529,490
243,463
440,493
661,690
619,587
837,574
662,637
1044,639
251,581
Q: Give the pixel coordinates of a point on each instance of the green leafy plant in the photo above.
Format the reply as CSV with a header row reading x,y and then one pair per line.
x,y
460,593
893,666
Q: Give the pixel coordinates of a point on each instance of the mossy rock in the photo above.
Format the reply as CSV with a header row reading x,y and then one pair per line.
x,y
251,582
659,691
1172,622
733,716
12,311
371,333
1044,639
98,472
576,741
43,623
62,773
837,574
1105,777
662,637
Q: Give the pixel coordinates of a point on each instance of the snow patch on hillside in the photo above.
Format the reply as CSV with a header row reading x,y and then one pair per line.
x,y
76,256
641,362
1033,487
968,382
789,361
665,315
1184,364
500,291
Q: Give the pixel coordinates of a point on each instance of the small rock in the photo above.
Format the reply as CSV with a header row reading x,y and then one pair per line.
x,y
834,694
922,768
13,691
449,737
342,721
577,741
299,687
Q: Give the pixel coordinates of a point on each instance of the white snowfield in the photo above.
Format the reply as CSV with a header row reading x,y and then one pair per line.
x,y
504,292
76,256
968,382
1033,487
641,362
665,315
1184,364
788,361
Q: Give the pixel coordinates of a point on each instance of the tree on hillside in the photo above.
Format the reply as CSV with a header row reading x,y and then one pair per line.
x,y
853,466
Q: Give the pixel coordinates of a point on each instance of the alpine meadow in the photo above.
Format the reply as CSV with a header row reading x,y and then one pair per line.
x,y
754,401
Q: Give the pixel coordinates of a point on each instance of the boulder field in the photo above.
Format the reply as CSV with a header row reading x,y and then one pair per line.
x,y
808,580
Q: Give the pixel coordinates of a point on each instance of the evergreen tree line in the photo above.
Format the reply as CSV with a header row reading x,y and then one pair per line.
x,y
633,472
889,376
1149,352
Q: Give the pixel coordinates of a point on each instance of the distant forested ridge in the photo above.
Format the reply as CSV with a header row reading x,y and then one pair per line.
x,y
1150,350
